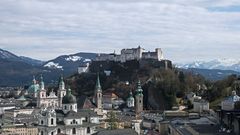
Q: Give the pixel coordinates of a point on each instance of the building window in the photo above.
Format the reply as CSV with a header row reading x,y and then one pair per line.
x,y
51,121
74,121
65,107
71,107
52,133
74,131
41,132
41,122
169,130
59,131
88,130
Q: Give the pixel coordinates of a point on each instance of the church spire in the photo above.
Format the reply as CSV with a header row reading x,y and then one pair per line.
x,y
98,94
98,85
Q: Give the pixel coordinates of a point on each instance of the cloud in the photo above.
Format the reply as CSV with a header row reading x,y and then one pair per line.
x,y
44,29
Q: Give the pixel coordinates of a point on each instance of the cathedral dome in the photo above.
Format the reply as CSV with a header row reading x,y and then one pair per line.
x,y
69,98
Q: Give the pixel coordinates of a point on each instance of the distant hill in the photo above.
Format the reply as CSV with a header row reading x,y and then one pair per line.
x,y
31,61
18,70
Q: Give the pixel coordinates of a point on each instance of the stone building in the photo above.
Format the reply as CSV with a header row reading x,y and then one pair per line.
x,y
19,130
229,102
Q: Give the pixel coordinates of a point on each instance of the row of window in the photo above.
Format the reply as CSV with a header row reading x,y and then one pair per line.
x,y
52,122
71,107
59,131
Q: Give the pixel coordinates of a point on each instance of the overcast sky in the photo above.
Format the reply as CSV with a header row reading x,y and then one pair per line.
x,y
186,30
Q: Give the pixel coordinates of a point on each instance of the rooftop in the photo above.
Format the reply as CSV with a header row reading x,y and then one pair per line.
x,y
118,132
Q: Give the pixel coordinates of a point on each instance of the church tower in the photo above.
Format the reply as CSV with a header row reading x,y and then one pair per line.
x,y
98,94
42,93
139,99
61,91
130,100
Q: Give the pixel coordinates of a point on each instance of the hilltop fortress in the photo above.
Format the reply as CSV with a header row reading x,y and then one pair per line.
x,y
128,61
131,54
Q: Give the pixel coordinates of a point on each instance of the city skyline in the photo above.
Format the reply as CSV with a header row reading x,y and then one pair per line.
x,y
186,31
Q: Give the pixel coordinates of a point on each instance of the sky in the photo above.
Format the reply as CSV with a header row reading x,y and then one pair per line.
x,y
186,30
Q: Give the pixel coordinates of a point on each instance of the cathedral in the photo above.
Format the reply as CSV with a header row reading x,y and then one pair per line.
x,y
59,113
38,92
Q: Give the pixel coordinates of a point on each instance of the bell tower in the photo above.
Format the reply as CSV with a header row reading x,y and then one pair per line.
x,y
42,93
61,91
98,94
139,99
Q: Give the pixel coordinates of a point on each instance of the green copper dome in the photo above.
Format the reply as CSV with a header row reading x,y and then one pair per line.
x,y
69,98
34,87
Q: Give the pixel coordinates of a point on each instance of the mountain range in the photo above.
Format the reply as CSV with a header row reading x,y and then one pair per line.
x,y
222,64
19,70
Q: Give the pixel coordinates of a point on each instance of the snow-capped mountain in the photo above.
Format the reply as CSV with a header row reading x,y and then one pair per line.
x,y
222,64
18,70
70,63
